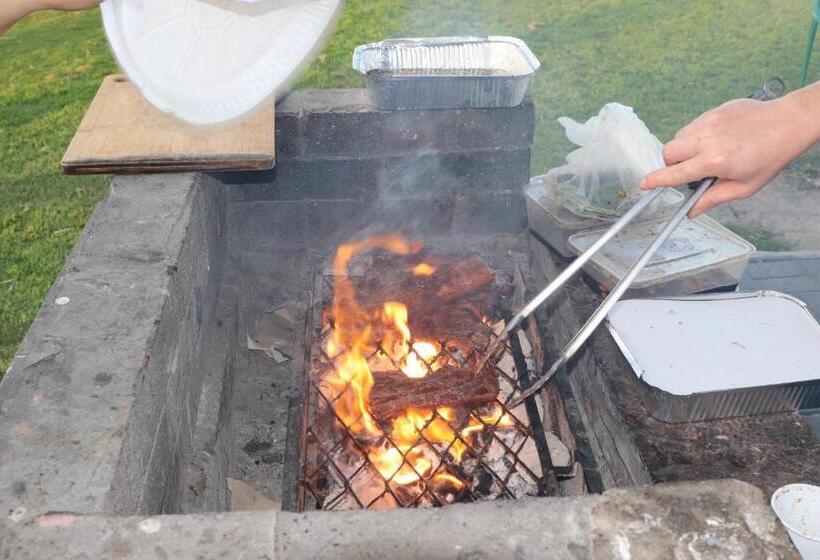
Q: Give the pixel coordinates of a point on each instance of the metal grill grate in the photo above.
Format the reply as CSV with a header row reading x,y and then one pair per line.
x,y
489,452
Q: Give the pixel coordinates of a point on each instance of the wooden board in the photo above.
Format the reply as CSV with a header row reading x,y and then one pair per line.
x,y
123,133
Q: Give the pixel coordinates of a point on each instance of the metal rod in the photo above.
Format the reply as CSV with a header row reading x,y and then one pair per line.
x,y
549,482
569,271
602,311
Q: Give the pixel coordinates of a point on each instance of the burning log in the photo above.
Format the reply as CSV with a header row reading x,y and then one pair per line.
x,y
394,392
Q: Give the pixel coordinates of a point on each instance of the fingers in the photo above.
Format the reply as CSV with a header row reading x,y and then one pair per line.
x,y
680,149
720,193
673,175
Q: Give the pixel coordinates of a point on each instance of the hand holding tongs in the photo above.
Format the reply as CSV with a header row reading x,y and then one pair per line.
x,y
771,89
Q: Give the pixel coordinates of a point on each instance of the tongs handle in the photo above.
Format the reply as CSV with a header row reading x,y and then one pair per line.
x,y
583,258
568,272
619,290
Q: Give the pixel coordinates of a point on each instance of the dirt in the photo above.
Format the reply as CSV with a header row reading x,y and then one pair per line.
x,y
781,217
765,450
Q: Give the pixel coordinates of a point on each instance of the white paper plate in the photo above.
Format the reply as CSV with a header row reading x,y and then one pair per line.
x,y
208,61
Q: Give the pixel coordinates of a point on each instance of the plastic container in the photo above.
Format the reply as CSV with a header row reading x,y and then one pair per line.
x,y
555,224
798,508
207,62
700,256
446,72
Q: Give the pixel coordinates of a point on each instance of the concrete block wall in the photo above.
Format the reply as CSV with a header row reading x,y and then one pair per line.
x,y
96,409
343,166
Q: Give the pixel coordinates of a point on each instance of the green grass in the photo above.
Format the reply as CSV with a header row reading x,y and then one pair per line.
x,y
670,60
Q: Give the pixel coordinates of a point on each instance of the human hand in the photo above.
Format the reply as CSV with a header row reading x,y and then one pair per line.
x,y
745,143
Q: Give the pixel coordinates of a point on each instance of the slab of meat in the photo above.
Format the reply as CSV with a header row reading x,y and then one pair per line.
x,y
394,392
463,277
391,279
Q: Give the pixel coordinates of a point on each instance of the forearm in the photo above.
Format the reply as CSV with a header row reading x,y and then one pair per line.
x,y
13,10
805,104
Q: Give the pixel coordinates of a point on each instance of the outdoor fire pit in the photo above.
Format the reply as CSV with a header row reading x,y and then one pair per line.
x,y
397,413
308,339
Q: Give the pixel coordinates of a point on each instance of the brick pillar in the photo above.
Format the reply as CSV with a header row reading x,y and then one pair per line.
x,y
343,166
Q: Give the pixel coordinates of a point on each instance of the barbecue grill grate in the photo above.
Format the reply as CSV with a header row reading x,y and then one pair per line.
x,y
505,455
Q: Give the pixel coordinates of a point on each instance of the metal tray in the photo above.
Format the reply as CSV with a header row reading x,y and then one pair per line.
x,y
722,355
446,72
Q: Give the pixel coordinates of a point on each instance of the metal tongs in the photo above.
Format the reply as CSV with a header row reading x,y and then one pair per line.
x,y
772,89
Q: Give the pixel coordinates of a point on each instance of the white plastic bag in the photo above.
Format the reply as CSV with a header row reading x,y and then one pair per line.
x,y
600,179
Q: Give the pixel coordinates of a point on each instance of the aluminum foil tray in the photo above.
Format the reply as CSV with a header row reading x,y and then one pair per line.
x,y
446,72
720,355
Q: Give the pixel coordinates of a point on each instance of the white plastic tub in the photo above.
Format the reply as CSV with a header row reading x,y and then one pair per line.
x,y
555,224
798,508
701,255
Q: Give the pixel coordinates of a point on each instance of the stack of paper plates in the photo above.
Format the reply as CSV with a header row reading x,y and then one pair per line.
x,y
208,61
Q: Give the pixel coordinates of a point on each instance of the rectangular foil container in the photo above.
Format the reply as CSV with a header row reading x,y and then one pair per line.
x,y
446,72
709,405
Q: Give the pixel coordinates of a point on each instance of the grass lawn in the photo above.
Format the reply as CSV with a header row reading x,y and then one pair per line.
x,y
670,60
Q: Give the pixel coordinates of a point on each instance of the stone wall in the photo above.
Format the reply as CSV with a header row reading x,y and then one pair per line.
x,y
96,409
343,166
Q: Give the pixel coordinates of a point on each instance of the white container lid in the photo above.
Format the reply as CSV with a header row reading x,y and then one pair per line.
x,y
694,245
208,61
718,342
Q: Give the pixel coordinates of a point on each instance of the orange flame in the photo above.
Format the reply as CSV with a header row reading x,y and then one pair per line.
x,y
357,335
354,335
424,269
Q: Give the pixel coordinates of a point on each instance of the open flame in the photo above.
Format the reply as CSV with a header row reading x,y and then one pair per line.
x,y
358,336
424,269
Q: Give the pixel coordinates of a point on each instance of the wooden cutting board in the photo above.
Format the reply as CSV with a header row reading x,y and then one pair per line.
x,y
123,133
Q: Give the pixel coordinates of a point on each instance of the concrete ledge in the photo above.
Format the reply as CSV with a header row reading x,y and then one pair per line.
x,y
97,404
716,519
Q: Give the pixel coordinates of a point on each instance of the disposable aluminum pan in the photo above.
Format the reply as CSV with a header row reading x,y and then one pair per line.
x,y
722,355
446,72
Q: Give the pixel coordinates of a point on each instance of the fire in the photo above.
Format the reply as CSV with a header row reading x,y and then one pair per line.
x,y
424,269
359,335
416,362
413,359
355,336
